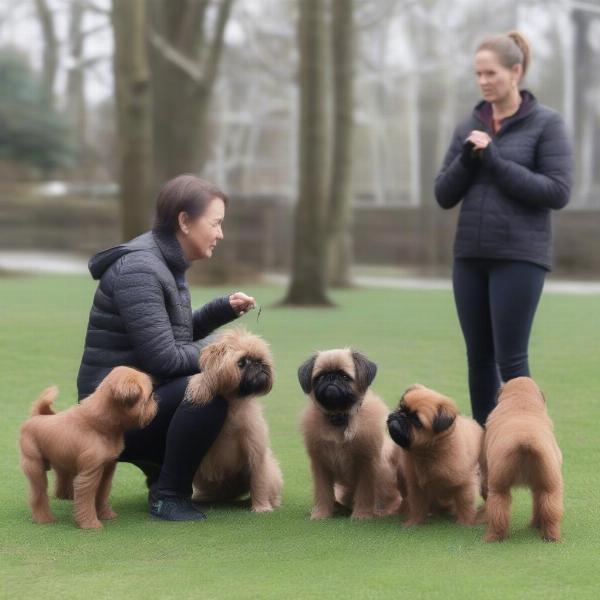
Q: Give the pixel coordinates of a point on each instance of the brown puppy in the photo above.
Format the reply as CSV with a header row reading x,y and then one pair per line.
x,y
82,444
239,367
520,449
439,457
344,434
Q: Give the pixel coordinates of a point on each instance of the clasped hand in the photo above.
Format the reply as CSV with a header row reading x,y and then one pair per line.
x,y
241,303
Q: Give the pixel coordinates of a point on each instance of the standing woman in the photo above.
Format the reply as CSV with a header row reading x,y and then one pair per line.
x,y
142,317
511,164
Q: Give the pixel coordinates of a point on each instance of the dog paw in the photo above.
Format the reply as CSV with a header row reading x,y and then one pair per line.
x,y
493,537
319,515
392,508
412,523
262,508
90,524
550,534
362,515
107,513
44,519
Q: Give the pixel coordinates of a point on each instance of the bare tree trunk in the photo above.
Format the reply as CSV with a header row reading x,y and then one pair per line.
x,y
308,278
50,59
76,105
133,100
339,234
582,75
185,61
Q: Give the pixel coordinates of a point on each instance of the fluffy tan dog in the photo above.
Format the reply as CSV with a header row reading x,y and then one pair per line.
x,y
439,457
520,449
352,459
82,444
239,367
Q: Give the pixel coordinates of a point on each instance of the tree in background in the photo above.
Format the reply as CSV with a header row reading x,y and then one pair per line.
x,y
76,105
186,39
308,277
50,56
163,95
133,101
339,218
29,135
322,251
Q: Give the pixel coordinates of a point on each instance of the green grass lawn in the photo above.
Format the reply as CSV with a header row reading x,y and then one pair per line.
x,y
413,336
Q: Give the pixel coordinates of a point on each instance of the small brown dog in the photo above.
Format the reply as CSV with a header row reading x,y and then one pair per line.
x,y
82,444
439,457
520,449
344,434
239,367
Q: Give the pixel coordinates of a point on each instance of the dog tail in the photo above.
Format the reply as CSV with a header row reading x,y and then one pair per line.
x,y
43,405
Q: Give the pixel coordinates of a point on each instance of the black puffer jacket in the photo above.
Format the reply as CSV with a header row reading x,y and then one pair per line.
x,y
508,192
142,316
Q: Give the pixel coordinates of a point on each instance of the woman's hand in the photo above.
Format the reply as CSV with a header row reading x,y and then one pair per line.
x,y
479,139
241,303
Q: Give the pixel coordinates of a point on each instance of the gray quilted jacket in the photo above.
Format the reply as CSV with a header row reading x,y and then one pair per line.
x,y
509,191
141,315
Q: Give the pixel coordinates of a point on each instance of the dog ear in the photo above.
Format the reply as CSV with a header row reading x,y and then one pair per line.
x,y
213,356
127,391
399,429
305,374
443,420
365,370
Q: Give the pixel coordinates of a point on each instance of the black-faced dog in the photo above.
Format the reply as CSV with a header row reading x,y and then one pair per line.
x,y
239,367
439,456
352,459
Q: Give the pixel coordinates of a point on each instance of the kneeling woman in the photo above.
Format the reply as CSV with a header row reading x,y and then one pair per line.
x,y
142,317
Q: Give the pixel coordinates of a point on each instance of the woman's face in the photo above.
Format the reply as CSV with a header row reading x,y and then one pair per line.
x,y
202,233
496,82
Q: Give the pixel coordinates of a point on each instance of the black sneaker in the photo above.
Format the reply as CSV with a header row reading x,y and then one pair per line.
x,y
175,508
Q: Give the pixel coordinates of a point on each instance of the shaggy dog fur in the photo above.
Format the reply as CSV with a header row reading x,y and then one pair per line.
x,y
520,449
239,367
82,444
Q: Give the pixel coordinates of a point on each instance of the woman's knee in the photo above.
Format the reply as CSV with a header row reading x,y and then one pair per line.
x,y
214,411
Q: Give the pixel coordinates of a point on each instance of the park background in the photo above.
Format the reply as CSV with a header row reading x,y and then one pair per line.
x,y
325,121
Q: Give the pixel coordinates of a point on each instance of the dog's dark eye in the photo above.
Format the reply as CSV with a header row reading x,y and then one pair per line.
x,y
346,377
242,362
414,419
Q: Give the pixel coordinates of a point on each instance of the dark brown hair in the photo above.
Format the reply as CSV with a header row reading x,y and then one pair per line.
x,y
184,193
511,48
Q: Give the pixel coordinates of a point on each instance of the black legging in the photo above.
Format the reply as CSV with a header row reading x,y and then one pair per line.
x,y
172,446
496,301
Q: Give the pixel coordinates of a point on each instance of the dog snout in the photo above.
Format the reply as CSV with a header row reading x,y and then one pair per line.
x,y
256,380
399,429
332,392
261,380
